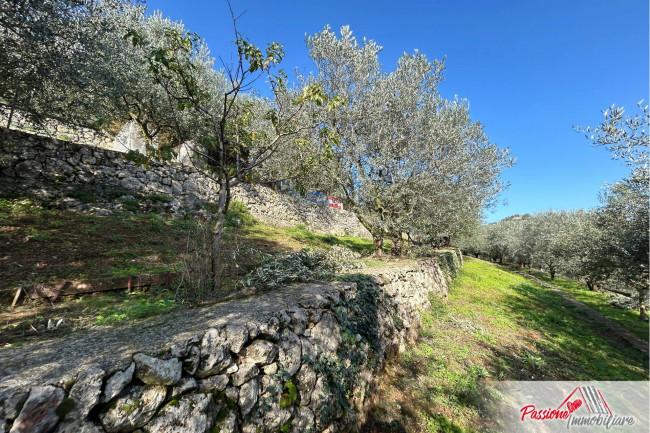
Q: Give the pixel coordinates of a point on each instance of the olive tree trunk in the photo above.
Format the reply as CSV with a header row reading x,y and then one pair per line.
x,y
396,245
378,242
217,236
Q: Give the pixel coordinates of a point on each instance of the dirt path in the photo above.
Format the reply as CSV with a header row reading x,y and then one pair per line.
x,y
615,330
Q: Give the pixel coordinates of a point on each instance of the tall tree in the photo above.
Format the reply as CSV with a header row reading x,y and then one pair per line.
x,y
395,149
623,218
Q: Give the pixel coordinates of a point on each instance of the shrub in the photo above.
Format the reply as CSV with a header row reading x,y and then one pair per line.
x,y
131,205
196,283
622,302
341,258
298,266
113,193
85,195
239,216
159,198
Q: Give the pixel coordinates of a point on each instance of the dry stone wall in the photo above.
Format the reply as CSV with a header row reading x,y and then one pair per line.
x,y
47,166
299,359
53,128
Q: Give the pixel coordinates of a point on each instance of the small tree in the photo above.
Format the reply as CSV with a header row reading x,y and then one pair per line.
x,y
231,143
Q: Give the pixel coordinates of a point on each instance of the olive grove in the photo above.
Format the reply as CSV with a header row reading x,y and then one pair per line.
x,y
409,163
606,247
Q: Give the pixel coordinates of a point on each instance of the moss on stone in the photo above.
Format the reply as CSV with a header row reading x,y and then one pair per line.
x,y
285,428
289,396
223,413
66,405
129,408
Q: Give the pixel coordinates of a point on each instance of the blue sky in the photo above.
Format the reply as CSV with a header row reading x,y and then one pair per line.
x,y
530,70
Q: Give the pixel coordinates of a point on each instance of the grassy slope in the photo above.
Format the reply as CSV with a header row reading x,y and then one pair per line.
x,y
40,245
598,301
495,325
47,245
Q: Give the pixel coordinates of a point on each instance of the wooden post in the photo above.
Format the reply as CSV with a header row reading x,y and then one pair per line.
x,y
16,297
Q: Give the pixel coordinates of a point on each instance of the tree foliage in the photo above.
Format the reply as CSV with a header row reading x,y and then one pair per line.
x,y
235,133
401,157
53,58
605,247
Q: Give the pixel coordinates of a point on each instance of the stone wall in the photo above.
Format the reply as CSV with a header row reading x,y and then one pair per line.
x,y
42,165
53,128
298,359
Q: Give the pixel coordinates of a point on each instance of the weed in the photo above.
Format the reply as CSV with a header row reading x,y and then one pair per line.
x,y
112,194
135,309
285,428
159,198
129,408
289,395
131,205
116,238
90,230
41,237
85,195
66,405
239,216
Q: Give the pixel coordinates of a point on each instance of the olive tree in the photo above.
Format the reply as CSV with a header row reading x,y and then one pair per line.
x,y
394,151
56,57
624,222
474,242
623,219
625,136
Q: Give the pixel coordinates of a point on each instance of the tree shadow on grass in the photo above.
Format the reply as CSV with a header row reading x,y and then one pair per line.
x,y
571,345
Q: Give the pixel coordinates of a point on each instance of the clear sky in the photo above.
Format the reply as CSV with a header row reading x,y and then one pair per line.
x,y
530,69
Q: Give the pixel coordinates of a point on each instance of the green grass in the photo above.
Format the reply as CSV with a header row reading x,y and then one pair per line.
x,y
598,301
495,325
137,306
48,246
302,234
45,245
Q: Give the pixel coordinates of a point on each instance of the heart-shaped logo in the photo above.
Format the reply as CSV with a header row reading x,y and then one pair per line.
x,y
573,405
